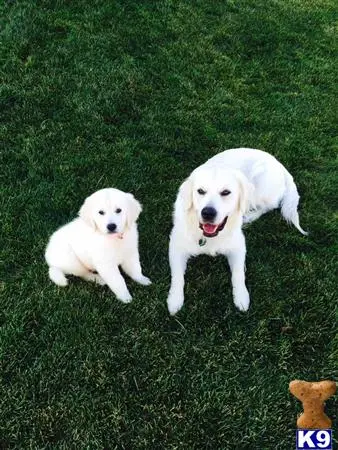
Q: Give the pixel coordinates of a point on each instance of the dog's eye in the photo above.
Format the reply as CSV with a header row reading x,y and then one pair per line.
x,y
225,193
201,191
118,210
101,212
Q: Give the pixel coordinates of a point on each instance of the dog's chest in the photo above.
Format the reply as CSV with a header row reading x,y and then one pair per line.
x,y
112,250
209,246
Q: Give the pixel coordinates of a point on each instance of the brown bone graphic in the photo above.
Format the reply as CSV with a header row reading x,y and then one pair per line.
x,y
313,396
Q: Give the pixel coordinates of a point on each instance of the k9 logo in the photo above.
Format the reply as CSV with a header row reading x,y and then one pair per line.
x,y
314,439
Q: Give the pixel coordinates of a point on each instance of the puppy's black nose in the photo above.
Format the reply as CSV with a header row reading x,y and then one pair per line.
x,y
209,213
111,226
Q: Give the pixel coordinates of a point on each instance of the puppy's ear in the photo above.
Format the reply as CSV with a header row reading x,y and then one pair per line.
x,y
134,209
185,194
246,191
86,213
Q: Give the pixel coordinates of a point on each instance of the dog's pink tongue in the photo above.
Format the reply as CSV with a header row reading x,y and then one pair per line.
x,y
209,228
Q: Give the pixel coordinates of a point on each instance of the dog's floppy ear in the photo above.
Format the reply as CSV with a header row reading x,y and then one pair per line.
x,y
246,190
86,213
185,194
134,209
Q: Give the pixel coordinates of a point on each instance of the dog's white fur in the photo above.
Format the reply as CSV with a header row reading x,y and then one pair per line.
x,y
258,183
85,245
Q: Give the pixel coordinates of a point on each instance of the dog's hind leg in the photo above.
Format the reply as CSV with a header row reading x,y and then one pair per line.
x,y
253,215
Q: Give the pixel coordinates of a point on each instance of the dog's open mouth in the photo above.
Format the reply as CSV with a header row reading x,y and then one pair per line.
x,y
211,229
115,234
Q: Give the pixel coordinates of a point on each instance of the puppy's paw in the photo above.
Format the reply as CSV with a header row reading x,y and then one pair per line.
x,y
125,298
242,300
175,303
62,282
58,276
99,280
144,280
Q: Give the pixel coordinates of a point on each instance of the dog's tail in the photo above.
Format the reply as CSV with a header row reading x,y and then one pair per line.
x,y
57,276
290,203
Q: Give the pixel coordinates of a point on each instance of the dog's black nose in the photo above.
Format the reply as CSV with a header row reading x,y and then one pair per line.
x,y
209,213
111,226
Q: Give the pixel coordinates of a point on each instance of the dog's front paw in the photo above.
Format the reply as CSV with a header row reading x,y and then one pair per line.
x,y
144,280
242,300
125,298
175,303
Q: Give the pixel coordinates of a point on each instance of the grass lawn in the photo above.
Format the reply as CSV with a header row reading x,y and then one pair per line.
x,y
135,94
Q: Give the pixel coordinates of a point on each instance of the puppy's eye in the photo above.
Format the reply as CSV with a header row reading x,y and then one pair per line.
x,y
201,191
225,193
101,212
118,210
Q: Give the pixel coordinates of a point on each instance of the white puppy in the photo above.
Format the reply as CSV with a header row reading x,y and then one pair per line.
x,y
103,237
233,187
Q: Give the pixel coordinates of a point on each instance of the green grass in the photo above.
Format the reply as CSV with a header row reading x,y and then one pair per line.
x,y
135,94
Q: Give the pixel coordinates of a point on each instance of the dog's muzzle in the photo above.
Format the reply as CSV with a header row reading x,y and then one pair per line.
x,y
211,229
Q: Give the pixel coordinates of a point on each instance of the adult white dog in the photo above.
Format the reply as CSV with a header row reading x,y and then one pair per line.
x,y
103,237
233,187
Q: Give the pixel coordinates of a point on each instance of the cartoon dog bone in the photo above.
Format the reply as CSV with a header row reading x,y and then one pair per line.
x,y
313,396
